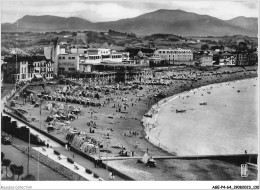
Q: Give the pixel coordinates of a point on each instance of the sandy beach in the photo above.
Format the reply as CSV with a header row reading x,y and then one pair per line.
x,y
126,128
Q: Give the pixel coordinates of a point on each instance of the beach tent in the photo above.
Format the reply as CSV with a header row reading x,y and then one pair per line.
x,y
97,96
61,107
64,89
36,105
60,125
145,158
48,106
65,129
49,119
148,160
74,130
53,111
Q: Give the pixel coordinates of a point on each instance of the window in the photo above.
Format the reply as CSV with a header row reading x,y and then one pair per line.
x,y
72,57
69,57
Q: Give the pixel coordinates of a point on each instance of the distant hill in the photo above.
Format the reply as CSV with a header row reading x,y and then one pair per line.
x,y
249,23
161,21
48,23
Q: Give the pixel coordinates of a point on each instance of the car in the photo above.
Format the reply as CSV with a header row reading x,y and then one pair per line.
x,y
6,140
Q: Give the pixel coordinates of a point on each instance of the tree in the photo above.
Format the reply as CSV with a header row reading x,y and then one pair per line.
x,y
6,163
204,47
19,171
13,169
242,46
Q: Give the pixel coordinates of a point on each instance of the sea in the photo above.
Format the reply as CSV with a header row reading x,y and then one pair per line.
x,y
227,124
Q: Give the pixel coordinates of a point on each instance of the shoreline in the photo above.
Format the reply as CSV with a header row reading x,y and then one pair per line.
x,y
133,121
157,108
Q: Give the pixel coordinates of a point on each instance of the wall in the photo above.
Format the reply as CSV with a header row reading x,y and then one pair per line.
x,y
51,164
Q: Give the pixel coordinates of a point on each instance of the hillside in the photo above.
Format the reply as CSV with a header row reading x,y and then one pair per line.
x,y
244,22
49,23
161,21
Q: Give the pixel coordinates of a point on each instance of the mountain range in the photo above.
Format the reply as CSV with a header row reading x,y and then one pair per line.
x,y
161,21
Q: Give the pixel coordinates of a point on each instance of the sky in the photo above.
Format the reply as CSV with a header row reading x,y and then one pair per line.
x,y
99,11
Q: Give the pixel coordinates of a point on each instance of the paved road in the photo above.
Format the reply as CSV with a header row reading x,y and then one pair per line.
x,y
86,163
103,173
18,158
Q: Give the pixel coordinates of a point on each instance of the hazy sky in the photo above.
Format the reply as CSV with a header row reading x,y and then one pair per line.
x,y
113,10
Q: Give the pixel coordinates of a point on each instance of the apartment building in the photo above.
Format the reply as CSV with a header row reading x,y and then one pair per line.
x,y
174,54
26,68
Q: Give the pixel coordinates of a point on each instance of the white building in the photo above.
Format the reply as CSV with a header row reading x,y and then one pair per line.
x,y
52,52
80,58
68,62
174,54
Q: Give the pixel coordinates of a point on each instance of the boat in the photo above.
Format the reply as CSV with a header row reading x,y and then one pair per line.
x,y
180,111
203,103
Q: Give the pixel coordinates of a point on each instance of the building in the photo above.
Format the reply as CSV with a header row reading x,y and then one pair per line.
x,y
79,50
175,54
26,68
253,59
52,52
203,59
133,52
81,61
227,59
81,34
104,73
68,63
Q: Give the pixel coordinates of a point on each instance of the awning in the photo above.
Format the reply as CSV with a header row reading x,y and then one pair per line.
x,y
36,75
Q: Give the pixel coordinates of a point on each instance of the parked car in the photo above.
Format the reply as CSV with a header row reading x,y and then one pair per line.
x,y
6,140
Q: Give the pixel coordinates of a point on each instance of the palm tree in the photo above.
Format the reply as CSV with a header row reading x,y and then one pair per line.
x,y
13,169
19,171
6,163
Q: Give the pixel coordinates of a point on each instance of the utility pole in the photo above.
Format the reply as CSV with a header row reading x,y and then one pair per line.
x,y
40,114
106,161
38,173
28,163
